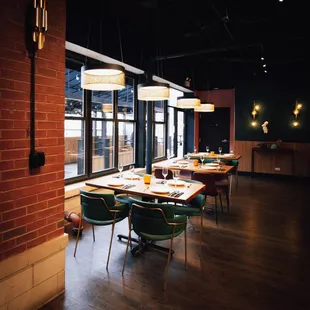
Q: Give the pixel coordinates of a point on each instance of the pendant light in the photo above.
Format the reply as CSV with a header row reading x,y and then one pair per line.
x,y
188,101
152,90
103,77
205,107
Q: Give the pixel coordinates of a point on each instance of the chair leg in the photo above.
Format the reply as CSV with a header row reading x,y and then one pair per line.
x,y
78,235
168,260
215,209
230,183
111,240
128,241
93,232
185,237
220,196
236,178
227,199
201,233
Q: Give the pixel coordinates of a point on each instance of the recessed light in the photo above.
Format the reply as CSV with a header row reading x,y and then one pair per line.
x,y
262,58
264,65
265,71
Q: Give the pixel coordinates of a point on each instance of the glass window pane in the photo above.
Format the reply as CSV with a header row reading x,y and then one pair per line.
x,y
73,93
102,104
103,145
159,111
171,131
159,143
126,146
126,101
74,148
180,142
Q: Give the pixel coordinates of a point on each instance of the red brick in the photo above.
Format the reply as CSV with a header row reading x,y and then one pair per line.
x,y
46,72
29,181
56,99
46,107
6,225
47,142
56,184
47,212
55,133
14,251
13,134
47,229
47,195
40,98
7,185
13,214
56,201
47,125
48,177
9,114
15,75
10,154
17,65
53,167
55,234
29,236
21,202
6,144
55,116
24,220
37,207
22,144
4,246
61,192
36,242
6,206
6,165
36,225
22,105
7,43
61,141
6,84
40,133
55,218
14,233
19,85
7,103
13,174
41,116
21,163
21,124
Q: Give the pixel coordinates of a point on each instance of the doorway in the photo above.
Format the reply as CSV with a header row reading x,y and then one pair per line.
x,y
214,130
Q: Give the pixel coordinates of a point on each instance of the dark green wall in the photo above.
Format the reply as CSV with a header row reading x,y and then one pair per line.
x,y
277,96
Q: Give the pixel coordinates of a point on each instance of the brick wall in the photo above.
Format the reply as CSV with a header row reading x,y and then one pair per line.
x,y
31,206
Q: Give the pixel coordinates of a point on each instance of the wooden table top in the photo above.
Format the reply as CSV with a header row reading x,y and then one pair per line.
x,y
208,155
182,165
190,190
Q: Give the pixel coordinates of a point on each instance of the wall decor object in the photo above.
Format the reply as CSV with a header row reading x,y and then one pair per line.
x,y
264,126
296,113
256,108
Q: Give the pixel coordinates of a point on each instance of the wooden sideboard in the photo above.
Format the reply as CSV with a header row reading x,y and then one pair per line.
x,y
266,161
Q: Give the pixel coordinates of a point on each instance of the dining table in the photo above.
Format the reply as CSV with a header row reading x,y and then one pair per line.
x,y
206,155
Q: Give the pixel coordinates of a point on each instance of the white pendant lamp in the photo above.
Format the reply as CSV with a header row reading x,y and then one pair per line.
x,y
188,102
153,91
205,107
103,77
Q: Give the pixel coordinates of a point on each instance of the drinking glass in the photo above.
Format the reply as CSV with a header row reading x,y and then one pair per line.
x,y
195,150
202,159
220,150
176,174
207,149
164,173
131,169
120,169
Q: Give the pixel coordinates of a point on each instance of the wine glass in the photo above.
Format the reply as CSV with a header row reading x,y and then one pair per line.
x,y
131,169
220,150
176,174
195,150
207,149
164,173
202,159
120,169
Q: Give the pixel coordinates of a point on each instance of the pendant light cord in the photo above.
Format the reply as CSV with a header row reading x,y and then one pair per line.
x,y
88,39
120,39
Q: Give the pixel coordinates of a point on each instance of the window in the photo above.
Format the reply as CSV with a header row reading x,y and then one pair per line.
x,y
171,131
159,141
100,127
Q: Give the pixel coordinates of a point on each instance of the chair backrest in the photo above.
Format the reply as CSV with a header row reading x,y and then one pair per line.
x,y
158,174
151,218
95,206
209,180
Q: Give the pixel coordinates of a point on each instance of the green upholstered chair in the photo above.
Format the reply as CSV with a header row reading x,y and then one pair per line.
x,y
100,209
156,222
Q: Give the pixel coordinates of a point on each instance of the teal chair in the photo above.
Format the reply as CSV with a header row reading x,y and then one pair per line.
x,y
99,209
156,222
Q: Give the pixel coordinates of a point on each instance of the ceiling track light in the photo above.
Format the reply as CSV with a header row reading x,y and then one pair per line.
x,y
103,77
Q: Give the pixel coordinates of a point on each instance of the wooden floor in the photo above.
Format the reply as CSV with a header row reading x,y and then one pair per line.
x,y
257,257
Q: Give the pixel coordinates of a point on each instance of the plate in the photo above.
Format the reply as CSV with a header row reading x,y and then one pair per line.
x,y
174,165
209,167
159,189
183,162
177,183
211,164
128,176
228,155
115,183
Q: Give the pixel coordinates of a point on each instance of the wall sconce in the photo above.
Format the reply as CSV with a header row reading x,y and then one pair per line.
x,y
256,108
40,22
296,112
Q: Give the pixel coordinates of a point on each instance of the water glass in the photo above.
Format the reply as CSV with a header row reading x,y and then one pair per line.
x,y
120,169
131,169
164,173
220,150
207,149
176,175
202,159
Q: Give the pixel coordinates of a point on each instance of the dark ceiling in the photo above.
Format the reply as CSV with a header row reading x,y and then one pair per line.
x,y
215,43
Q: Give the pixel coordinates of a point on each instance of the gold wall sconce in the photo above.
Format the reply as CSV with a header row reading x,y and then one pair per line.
x,y
255,111
40,22
296,113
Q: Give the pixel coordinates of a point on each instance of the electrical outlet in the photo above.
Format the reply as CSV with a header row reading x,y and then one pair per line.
x,y
277,169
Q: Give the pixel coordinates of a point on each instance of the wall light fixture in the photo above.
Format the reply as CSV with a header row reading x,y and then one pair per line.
x,y
296,113
256,108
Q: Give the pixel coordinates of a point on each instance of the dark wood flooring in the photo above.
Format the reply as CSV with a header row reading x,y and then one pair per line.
x,y
257,258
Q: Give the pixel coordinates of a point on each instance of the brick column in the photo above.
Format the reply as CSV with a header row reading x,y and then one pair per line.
x,y
31,205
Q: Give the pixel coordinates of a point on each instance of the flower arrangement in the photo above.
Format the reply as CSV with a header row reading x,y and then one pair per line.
x,y
264,126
